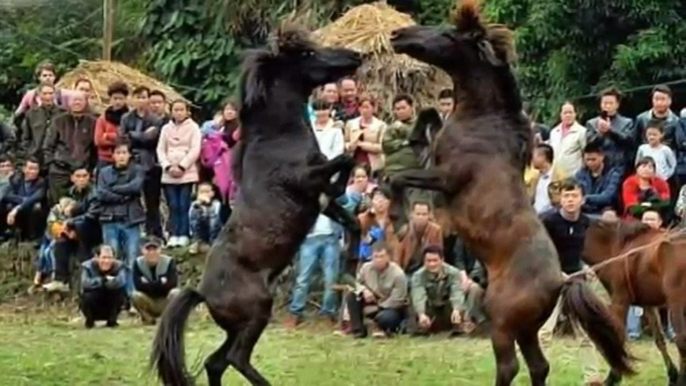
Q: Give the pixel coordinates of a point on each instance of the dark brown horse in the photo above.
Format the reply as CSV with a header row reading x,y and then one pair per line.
x,y
648,269
282,176
480,156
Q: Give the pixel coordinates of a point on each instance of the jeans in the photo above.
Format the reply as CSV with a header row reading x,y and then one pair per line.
x,y
46,258
125,240
633,324
324,250
205,221
179,201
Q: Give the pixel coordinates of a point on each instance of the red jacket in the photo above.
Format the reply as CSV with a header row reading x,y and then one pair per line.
x,y
631,190
105,137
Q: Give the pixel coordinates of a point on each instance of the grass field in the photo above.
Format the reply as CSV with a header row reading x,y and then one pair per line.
x,y
49,350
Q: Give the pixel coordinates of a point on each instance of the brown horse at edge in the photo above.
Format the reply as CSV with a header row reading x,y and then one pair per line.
x,y
646,271
480,158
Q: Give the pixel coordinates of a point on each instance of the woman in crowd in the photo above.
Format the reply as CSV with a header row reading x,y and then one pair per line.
x,y
178,150
360,185
363,135
644,187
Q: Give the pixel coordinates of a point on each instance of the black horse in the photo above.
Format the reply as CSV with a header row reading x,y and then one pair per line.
x,y
283,176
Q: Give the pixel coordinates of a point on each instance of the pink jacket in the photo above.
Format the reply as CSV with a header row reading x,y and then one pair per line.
x,y
179,145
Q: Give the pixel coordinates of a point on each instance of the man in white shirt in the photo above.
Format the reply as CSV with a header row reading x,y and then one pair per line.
x,y
322,247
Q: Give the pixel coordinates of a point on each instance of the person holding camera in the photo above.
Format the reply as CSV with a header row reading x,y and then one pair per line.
x,y
103,282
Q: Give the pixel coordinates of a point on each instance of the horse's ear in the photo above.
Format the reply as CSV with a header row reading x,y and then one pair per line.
x,y
256,75
487,53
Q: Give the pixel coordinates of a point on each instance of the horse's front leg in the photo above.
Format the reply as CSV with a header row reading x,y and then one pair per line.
x,y
428,179
339,214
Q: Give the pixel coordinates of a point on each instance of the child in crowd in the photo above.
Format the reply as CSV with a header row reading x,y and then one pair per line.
x,y
665,161
205,219
178,151
59,214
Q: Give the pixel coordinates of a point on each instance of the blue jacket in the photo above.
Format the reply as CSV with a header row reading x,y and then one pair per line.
x,y
93,279
604,192
25,195
119,194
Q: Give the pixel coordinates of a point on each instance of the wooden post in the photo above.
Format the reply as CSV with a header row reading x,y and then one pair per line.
x,y
108,27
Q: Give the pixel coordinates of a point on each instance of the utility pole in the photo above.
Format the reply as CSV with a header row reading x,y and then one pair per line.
x,y
108,27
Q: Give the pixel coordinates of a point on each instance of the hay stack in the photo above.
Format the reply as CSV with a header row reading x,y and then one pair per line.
x,y
102,74
367,29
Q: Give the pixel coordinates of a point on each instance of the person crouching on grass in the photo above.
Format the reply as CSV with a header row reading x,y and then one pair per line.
x,y
438,299
380,294
103,282
155,279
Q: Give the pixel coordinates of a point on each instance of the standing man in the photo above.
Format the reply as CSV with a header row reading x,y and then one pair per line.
x,y
660,112
349,106
158,106
142,129
399,155
37,121
567,230
69,145
613,131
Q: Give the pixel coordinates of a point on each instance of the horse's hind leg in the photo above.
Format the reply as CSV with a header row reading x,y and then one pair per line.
x,y
505,355
216,364
676,315
241,351
655,326
535,359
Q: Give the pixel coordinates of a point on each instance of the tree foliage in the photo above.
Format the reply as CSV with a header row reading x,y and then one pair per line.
x,y
574,48
62,31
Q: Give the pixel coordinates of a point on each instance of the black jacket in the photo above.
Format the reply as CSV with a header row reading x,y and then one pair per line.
x,y
24,195
152,285
35,129
119,194
86,204
143,145
70,143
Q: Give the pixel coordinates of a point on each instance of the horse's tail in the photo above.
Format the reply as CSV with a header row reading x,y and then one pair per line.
x,y
168,348
585,309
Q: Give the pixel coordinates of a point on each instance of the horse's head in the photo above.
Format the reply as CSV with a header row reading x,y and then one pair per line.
x,y
604,239
295,62
469,42
477,55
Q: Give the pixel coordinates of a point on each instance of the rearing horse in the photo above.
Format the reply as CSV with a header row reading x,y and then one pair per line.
x,y
282,175
480,156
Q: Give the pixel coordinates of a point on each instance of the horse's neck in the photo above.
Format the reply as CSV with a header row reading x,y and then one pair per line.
x,y
283,113
486,91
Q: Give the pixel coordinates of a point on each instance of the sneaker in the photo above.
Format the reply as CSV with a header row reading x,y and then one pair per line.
x,y
205,248
195,247
112,324
56,286
184,241
173,242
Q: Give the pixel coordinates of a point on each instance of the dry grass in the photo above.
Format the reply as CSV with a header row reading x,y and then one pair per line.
x,y
367,29
103,73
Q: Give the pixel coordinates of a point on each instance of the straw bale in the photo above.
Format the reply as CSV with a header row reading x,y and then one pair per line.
x,y
103,73
367,29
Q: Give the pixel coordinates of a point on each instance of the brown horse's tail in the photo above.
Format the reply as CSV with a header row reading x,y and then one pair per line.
x,y
584,308
168,353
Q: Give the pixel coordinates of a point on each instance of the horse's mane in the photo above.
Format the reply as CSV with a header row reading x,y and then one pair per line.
x,y
259,67
496,41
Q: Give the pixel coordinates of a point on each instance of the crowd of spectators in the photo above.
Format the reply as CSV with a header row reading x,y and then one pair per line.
x,y
87,188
